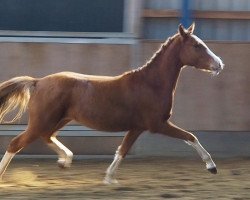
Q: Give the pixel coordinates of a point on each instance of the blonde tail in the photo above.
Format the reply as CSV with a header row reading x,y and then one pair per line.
x,y
15,93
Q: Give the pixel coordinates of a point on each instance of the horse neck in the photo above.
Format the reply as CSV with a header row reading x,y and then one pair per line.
x,y
163,72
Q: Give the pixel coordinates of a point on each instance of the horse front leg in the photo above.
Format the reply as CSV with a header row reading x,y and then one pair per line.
x,y
121,152
176,132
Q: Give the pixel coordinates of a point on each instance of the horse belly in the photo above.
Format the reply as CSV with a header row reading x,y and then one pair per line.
x,y
104,106
104,116
106,122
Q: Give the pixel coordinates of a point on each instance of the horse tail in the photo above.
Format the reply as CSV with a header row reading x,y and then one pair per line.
x,y
15,93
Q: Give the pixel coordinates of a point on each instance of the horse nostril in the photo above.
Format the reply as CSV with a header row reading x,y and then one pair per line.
x,y
216,69
221,66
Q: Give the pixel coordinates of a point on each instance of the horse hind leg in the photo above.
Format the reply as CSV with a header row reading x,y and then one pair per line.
x,y
16,145
5,162
65,156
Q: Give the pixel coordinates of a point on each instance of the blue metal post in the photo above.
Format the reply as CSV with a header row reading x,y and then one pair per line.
x,y
186,13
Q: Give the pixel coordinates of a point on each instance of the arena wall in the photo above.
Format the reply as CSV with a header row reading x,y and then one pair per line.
x,y
216,108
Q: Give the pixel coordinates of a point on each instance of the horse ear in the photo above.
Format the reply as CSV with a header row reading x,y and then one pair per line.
x,y
182,31
191,28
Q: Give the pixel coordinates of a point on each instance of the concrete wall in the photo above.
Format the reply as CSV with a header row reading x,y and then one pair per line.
x,y
40,59
202,102
216,108
87,143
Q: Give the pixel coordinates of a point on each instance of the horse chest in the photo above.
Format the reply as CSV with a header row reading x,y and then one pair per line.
x,y
162,110
165,111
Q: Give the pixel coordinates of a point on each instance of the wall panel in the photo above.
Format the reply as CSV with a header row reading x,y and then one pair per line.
x,y
202,102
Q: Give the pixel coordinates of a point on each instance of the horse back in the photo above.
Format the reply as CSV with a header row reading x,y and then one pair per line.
x,y
98,102
104,103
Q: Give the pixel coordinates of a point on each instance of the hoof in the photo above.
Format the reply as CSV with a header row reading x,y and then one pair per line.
x,y
63,164
213,170
110,181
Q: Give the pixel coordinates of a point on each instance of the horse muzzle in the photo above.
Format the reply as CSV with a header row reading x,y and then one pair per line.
x,y
216,69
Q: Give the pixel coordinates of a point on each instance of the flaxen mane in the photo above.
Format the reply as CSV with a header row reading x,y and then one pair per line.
x,y
164,46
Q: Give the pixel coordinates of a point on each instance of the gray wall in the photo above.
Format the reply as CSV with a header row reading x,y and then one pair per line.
x,y
40,59
216,108
202,102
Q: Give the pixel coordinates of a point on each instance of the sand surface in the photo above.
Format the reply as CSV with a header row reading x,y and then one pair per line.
x,y
148,178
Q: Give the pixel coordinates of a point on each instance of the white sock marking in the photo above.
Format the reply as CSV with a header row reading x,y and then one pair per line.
x,y
109,178
5,162
203,154
65,155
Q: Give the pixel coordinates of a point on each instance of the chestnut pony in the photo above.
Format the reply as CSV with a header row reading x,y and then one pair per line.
x,y
136,101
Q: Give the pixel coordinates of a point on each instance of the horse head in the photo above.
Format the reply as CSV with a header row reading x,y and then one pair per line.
x,y
194,52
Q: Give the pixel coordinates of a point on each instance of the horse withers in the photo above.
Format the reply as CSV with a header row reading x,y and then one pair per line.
x,y
135,101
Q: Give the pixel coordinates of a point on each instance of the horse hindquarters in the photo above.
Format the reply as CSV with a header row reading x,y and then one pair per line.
x,y
31,134
13,93
46,115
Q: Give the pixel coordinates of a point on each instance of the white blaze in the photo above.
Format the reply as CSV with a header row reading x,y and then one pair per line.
x,y
219,64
